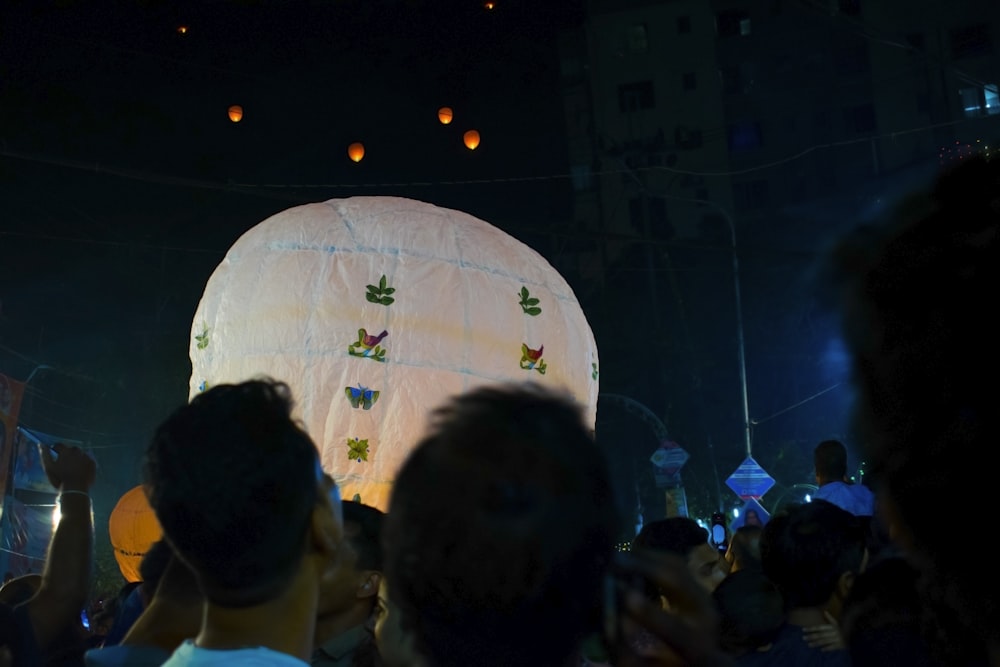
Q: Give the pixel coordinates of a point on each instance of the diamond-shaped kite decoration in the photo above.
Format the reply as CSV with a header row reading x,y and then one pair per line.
x,y
750,480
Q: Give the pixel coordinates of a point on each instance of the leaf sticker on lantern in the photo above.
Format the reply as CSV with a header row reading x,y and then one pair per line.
x,y
357,449
367,346
381,293
593,371
528,303
531,360
361,396
202,338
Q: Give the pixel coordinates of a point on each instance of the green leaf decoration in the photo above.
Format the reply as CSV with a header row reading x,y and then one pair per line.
x,y
357,449
357,498
380,294
528,303
202,339
593,372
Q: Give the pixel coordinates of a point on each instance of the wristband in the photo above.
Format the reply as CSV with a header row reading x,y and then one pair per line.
x,y
72,492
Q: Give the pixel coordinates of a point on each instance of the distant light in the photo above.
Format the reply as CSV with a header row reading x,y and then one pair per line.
x,y
736,512
489,4
56,515
356,151
236,113
808,498
182,30
445,115
471,139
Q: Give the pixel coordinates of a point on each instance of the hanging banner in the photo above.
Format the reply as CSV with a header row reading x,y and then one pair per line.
x,y
11,392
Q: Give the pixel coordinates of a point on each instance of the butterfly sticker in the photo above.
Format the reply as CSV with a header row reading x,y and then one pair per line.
x,y
361,396
357,449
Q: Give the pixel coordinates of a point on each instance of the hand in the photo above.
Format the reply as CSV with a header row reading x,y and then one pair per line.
x,y
687,632
824,637
69,469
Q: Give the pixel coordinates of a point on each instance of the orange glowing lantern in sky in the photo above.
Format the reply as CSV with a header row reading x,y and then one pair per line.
x,y
182,30
133,529
489,4
236,113
471,139
356,151
445,115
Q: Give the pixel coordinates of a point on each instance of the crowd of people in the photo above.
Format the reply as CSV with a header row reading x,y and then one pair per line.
x,y
498,547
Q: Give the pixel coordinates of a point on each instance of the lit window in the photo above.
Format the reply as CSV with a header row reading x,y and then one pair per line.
x,y
732,23
637,42
635,96
978,101
744,136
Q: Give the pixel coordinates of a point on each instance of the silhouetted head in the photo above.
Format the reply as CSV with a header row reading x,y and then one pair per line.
x,y
500,529
233,480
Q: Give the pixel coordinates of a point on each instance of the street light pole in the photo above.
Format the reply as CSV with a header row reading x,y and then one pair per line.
x,y
739,331
740,345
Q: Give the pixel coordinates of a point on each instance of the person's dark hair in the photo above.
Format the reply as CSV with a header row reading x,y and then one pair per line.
x,y
233,481
806,548
751,611
925,360
677,535
154,562
745,547
883,618
500,530
363,527
830,460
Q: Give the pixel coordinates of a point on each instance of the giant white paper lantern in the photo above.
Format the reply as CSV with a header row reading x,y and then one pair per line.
x,y
375,310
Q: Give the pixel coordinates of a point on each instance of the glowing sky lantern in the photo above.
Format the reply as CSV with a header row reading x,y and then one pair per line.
x,y
377,309
445,115
471,139
133,528
356,151
182,30
236,113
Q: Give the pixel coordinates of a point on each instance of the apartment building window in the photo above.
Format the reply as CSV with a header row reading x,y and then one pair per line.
x,y
659,226
850,7
732,23
635,212
751,195
636,38
861,118
683,25
688,138
737,79
689,81
971,41
851,57
582,177
980,101
636,96
744,136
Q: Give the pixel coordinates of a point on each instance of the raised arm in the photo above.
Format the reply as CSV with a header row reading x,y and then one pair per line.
x,y
66,577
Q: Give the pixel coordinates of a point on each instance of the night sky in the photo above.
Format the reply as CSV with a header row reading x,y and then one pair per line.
x,y
123,183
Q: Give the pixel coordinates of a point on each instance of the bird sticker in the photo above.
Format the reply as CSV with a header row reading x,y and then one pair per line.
x,y
357,450
361,396
531,360
367,346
